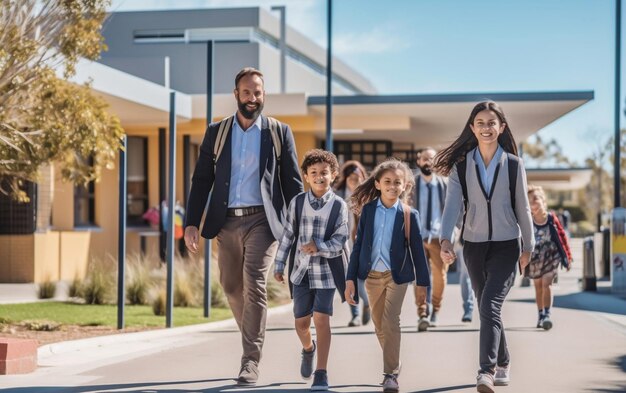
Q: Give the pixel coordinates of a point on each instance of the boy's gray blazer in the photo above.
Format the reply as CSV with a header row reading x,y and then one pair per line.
x,y
505,223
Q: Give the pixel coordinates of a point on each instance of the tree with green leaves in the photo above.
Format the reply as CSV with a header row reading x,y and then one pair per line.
x,y
43,117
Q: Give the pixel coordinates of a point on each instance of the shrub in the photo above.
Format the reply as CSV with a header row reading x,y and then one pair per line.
x,y
184,295
76,287
158,303
46,289
41,325
100,282
139,281
218,298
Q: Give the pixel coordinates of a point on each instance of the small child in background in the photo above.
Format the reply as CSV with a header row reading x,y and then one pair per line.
x,y
551,250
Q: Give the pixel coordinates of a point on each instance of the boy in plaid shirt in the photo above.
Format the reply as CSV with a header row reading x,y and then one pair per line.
x,y
315,244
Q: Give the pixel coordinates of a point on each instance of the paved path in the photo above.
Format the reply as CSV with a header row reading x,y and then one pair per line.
x,y
584,352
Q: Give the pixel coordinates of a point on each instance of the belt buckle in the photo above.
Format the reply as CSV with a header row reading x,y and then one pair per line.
x,y
239,212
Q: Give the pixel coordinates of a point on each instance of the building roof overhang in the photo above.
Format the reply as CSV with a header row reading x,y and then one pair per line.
x,y
559,179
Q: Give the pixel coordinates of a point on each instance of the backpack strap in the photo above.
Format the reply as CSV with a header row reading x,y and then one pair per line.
x,y
296,236
332,219
275,127
513,166
461,169
406,209
220,140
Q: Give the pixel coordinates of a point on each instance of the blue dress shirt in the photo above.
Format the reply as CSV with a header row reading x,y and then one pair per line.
x,y
245,184
383,230
487,173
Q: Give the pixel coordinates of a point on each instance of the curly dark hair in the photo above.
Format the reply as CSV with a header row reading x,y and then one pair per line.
x,y
445,159
317,156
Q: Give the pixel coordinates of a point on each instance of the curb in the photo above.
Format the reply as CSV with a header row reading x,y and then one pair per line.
x,y
46,352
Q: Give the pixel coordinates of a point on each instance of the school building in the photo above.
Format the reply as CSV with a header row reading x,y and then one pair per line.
x,y
154,52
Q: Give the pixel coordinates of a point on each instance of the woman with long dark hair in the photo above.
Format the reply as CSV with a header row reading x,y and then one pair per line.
x,y
487,181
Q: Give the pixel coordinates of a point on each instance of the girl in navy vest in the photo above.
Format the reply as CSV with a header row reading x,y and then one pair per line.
x,y
496,215
551,250
384,258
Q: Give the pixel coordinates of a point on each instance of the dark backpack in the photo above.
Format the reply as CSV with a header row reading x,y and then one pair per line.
x,y
461,169
335,264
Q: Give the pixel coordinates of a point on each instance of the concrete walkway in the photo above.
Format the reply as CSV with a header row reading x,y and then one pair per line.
x,y
584,352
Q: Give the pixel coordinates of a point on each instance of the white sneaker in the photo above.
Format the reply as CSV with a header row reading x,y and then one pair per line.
x,y
484,383
503,376
423,324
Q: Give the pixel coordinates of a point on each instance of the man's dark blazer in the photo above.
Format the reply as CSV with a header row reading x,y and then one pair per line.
x,y
441,186
276,191
403,270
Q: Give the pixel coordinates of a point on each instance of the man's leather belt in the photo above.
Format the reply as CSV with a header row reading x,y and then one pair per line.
x,y
243,211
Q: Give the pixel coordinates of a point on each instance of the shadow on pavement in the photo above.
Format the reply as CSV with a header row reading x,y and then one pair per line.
x,y
617,389
601,301
131,387
444,389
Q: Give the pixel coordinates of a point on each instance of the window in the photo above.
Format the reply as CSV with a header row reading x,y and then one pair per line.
x,y
84,205
18,218
137,182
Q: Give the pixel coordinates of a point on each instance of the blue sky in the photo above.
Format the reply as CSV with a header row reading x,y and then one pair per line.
x,y
456,46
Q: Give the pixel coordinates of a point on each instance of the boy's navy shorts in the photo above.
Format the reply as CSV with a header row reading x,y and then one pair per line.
x,y
308,300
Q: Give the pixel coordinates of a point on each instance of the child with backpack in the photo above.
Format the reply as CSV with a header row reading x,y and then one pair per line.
x,y
496,213
551,250
314,239
388,254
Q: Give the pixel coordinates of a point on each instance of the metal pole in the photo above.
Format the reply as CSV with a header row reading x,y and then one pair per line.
x,y
121,245
329,80
617,161
162,187
283,46
209,117
170,214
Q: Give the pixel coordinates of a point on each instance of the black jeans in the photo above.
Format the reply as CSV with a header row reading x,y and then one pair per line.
x,y
491,267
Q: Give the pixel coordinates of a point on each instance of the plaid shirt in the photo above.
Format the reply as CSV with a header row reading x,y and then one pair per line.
x,y
313,227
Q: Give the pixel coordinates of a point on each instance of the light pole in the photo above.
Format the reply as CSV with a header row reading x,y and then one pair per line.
x,y
329,78
618,112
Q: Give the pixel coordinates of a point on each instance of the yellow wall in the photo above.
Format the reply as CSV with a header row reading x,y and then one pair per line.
x,y
74,254
46,257
17,253
62,204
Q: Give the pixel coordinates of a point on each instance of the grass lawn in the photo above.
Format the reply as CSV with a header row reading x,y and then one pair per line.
x,y
104,315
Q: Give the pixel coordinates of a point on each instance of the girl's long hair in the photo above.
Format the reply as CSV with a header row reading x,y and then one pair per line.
x,y
348,168
445,159
367,191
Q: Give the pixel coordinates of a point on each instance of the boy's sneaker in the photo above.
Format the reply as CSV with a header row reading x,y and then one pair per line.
x,y
467,317
390,383
306,366
365,318
484,383
248,374
503,375
422,324
355,321
546,324
540,320
433,319
320,381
